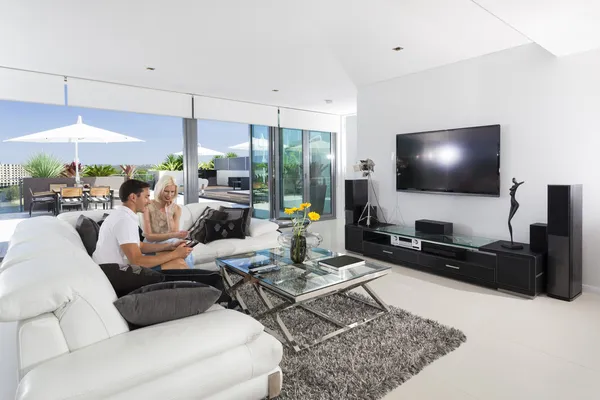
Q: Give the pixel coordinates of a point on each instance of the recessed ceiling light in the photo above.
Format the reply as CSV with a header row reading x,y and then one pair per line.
x,y
328,101
398,48
275,90
150,68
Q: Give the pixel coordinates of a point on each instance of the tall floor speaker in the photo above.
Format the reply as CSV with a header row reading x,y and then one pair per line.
x,y
564,241
357,193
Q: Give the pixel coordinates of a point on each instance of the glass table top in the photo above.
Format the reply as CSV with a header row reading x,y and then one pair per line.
x,y
474,242
296,280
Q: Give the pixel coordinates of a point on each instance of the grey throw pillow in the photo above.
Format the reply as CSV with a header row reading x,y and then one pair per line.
x,y
198,230
88,231
224,229
167,301
239,212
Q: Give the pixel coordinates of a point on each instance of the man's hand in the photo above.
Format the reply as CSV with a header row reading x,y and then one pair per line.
x,y
175,245
183,251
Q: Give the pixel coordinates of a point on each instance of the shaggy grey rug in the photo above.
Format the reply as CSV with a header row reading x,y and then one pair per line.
x,y
364,363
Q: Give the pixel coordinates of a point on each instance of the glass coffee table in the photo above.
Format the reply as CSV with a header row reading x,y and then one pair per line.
x,y
299,284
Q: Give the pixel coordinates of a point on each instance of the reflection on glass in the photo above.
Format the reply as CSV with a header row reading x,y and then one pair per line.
x,y
320,175
260,171
291,180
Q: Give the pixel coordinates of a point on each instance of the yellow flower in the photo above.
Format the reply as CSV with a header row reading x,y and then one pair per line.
x,y
313,216
288,211
302,207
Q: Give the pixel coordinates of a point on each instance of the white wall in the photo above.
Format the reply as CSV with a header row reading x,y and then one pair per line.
x,y
351,145
549,109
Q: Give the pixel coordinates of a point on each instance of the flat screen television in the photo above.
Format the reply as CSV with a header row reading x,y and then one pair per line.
x,y
461,161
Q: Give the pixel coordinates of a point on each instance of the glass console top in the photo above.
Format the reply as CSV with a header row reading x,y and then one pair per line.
x,y
474,242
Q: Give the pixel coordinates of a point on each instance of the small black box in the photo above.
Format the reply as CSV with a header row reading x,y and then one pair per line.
x,y
433,227
538,237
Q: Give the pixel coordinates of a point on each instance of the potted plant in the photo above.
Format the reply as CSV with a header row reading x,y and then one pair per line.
x,y
173,166
129,171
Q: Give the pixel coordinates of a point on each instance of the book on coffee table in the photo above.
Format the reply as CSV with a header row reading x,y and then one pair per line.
x,y
341,263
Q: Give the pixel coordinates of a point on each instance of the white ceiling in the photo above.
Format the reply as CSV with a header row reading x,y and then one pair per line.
x,y
310,50
562,27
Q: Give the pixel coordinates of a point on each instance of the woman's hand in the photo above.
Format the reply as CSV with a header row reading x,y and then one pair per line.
x,y
181,234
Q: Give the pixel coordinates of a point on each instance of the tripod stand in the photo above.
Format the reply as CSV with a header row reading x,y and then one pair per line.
x,y
367,208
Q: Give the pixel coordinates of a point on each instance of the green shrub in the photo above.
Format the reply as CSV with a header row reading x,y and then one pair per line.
x,y
44,165
171,163
231,155
99,170
206,165
11,193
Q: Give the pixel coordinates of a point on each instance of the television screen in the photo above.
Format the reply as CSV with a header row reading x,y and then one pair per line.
x,y
465,161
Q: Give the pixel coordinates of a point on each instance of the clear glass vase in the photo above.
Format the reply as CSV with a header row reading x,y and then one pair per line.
x,y
312,239
298,249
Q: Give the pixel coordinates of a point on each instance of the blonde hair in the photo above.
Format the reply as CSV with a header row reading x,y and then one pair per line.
x,y
166,180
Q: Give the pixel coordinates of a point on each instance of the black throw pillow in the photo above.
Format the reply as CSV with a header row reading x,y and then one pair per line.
x,y
239,212
198,230
88,230
166,301
224,229
126,278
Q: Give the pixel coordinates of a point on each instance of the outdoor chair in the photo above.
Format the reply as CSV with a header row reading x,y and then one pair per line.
x,y
55,187
99,195
71,197
48,198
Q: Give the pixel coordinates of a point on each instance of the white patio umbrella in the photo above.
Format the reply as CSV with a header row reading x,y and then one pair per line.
x,y
257,144
203,151
315,144
76,133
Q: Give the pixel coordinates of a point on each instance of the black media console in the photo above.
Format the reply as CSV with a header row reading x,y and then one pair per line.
x,y
473,259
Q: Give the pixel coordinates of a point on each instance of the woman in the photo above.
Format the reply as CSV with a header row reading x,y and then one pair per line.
x,y
161,218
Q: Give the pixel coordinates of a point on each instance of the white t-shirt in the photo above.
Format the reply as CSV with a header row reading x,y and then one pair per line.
x,y
120,227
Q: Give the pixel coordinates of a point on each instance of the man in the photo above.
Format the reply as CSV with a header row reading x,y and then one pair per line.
x,y
119,241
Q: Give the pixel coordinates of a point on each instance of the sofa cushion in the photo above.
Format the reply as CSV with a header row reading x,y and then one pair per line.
x,y
88,230
166,301
262,226
198,230
202,254
46,271
229,247
127,278
146,357
224,229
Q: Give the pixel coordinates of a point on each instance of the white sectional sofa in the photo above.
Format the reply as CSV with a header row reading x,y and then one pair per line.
x,y
263,234
72,342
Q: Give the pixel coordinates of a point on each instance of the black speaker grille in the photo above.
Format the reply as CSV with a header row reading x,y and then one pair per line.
x,y
558,210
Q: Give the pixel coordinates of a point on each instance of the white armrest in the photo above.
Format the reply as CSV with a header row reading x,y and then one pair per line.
x,y
132,358
260,227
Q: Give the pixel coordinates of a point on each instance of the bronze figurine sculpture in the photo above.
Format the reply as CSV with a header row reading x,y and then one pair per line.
x,y
514,206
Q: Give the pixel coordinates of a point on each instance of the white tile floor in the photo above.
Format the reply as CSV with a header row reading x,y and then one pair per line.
x,y
516,348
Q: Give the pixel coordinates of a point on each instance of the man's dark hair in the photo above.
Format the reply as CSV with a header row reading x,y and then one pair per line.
x,y
131,186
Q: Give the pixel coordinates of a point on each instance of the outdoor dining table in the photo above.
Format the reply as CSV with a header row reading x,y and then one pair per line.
x,y
56,194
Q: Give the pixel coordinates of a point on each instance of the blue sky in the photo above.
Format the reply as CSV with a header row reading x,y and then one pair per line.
x,y
162,135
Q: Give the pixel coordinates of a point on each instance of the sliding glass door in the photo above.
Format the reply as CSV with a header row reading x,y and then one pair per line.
x,y
261,170
320,175
305,170
300,169
291,165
